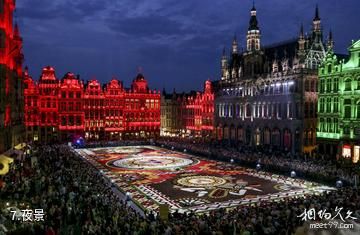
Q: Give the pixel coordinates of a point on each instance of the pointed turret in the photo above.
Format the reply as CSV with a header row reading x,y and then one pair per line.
x,y
330,42
317,17
223,64
253,23
301,35
301,42
253,34
234,45
316,21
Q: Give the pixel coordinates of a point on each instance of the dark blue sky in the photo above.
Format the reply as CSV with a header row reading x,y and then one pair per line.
x,y
177,43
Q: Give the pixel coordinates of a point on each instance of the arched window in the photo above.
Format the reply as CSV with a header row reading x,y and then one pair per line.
x,y
347,84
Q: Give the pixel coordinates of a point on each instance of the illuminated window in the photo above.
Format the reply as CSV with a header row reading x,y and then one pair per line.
x,y
356,154
346,152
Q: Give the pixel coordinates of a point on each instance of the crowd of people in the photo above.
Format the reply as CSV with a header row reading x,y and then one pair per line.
x,y
77,199
317,169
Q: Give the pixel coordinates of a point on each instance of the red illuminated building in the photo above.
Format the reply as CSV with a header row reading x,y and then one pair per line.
x,y
190,114
67,109
11,79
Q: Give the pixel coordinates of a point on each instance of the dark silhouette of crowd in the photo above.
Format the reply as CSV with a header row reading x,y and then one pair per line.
x,y
77,199
280,162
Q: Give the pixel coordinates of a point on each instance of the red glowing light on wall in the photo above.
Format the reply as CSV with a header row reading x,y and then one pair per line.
x,y
77,109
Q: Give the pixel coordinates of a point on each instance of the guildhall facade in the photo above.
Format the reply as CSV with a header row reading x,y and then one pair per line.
x,y
68,109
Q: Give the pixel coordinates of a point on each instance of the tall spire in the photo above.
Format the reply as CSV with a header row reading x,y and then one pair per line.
x,y
253,24
317,17
253,8
302,31
330,41
234,45
317,34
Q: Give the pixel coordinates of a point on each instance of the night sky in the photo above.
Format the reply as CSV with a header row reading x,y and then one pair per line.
x,y
176,43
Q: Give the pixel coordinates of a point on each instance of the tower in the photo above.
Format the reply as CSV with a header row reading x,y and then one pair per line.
x,y
234,46
224,65
317,32
315,48
11,79
301,42
330,42
253,33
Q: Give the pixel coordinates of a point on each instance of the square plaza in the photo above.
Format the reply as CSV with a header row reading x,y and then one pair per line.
x,y
154,176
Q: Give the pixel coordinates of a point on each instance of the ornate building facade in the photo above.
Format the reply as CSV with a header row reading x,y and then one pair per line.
x,y
68,109
267,95
11,79
339,104
191,114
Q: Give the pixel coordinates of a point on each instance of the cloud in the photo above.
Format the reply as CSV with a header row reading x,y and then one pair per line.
x,y
178,43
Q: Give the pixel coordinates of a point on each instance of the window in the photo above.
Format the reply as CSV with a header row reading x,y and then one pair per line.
x,y
321,105
328,105
322,86
329,125
336,84
2,33
346,130
347,111
329,68
336,104
248,110
348,84
78,120
328,85
336,129
63,121
358,110
321,125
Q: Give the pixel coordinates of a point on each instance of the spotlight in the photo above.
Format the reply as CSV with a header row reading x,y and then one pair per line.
x,y
258,166
184,150
172,148
127,196
339,184
232,160
293,174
